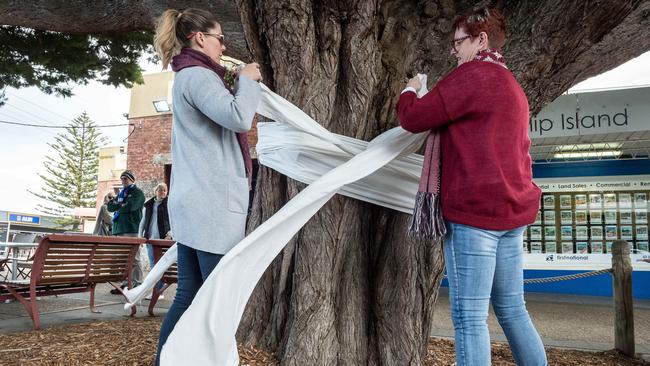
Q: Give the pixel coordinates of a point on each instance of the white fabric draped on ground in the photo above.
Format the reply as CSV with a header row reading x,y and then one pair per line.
x,y
302,149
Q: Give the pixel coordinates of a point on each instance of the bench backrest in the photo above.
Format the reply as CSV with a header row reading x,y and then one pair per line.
x,y
83,259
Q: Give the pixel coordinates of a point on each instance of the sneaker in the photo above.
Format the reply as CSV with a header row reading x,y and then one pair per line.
x,y
116,291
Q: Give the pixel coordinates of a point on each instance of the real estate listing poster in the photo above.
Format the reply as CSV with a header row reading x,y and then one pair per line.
x,y
642,246
581,201
536,233
597,247
582,232
567,247
565,201
626,216
610,200
549,233
642,232
581,217
549,217
596,217
626,232
596,233
550,247
535,247
582,247
611,232
549,201
624,200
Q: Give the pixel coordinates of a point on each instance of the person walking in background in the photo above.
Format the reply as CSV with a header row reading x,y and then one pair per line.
x,y
127,214
104,223
155,223
478,118
210,154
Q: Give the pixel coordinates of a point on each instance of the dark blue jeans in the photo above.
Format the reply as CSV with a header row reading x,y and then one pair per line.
x,y
194,266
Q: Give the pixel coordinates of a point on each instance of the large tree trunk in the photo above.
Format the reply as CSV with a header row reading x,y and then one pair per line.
x,y
351,288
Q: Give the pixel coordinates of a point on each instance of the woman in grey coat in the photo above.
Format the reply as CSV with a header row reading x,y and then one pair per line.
x,y
211,164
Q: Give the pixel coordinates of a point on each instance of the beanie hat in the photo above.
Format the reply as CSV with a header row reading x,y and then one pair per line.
x,y
128,174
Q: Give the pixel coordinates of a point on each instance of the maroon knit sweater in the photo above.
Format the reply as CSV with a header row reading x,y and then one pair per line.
x,y
481,113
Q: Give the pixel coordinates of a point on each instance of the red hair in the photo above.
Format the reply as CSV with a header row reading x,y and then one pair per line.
x,y
485,20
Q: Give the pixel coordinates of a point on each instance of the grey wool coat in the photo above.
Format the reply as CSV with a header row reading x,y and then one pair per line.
x,y
208,197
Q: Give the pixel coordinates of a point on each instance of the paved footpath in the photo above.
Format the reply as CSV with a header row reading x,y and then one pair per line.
x,y
563,321
73,308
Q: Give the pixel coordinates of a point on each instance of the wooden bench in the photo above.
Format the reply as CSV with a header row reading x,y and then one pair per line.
x,y
171,275
70,263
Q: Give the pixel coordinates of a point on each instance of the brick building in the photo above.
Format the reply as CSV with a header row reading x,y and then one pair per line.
x,y
112,162
149,141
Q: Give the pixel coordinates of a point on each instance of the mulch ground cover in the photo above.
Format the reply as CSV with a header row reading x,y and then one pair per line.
x,y
133,342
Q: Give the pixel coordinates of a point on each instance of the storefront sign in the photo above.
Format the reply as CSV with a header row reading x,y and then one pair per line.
x,y
611,111
25,219
590,262
555,185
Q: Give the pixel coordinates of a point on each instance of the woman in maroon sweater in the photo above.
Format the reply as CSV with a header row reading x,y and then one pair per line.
x,y
480,115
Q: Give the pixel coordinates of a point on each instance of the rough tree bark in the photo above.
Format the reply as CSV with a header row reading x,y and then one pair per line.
x,y
351,289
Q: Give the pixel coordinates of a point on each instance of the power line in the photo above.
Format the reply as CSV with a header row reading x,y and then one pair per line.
x,y
14,95
31,115
50,126
3,114
64,120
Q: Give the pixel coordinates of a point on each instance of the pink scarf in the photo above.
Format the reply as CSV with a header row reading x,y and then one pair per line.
x,y
188,58
427,221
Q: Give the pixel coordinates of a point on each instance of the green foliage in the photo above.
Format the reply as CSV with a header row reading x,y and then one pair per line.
x,y
52,60
71,175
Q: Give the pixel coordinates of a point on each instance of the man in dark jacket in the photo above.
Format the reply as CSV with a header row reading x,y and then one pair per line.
x,y
127,213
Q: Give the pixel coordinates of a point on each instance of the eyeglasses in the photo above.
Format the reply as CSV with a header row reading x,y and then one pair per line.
x,y
456,42
220,37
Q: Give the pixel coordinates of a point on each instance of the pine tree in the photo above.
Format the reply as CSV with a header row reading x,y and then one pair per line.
x,y
71,175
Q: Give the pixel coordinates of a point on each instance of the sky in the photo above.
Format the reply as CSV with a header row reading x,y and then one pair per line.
x,y
23,149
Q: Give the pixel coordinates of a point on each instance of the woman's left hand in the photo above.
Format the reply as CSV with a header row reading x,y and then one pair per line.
x,y
414,83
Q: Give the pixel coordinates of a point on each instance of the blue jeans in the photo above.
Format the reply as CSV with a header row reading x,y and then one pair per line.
x,y
483,266
194,266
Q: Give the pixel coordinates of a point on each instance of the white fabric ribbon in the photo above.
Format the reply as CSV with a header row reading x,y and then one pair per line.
x,y
205,334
